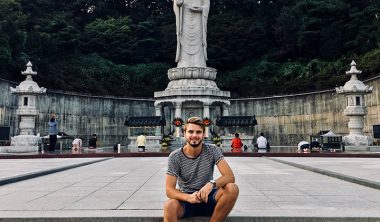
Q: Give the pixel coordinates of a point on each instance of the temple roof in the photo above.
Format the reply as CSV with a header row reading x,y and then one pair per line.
x,y
140,121
236,121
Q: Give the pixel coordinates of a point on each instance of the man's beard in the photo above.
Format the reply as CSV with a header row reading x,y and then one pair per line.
x,y
194,145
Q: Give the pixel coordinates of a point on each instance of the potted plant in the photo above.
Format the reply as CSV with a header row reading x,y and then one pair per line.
x,y
165,142
217,140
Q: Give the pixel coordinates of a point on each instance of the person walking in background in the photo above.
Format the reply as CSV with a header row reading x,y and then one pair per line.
x,y
236,144
92,142
192,167
141,141
262,143
53,131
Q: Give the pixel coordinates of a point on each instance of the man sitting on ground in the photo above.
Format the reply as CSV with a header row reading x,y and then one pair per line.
x,y
192,167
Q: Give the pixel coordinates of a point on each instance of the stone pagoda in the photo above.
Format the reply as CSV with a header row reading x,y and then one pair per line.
x,y
27,92
192,90
354,90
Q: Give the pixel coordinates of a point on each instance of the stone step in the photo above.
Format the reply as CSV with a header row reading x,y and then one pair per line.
x,y
195,219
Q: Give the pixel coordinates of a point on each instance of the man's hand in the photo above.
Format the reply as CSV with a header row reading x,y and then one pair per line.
x,y
193,198
205,191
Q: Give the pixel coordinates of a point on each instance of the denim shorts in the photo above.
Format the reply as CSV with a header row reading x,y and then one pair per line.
x,y
200,209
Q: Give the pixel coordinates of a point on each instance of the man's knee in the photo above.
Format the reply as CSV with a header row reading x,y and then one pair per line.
x,y
172,206
231,189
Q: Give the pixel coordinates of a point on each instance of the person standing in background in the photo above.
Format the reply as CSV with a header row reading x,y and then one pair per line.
x,y
53,131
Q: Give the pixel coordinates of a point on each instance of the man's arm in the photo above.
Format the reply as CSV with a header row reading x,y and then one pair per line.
x,y
173,193
227,177
226,172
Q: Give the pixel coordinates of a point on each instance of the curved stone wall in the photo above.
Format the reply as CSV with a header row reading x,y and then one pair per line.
x,y
80,115
285,120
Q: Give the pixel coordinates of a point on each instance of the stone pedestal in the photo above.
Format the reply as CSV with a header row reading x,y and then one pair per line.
x,y
192,91
357,140
22,144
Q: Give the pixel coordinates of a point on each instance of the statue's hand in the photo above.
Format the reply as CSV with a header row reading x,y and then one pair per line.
x,y
179,3
196,9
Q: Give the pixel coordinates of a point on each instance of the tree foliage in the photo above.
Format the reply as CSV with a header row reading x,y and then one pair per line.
x,y
124,47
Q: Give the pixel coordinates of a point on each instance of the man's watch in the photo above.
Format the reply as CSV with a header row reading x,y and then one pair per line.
x,y
213,183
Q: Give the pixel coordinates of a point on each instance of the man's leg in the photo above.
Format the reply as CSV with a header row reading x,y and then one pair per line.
x,y
52,142
226,198
173,209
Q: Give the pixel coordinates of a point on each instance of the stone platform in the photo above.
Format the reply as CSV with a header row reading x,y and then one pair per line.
x,y
132,189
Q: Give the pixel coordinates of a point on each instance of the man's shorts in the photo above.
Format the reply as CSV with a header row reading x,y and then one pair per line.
x,y
200,209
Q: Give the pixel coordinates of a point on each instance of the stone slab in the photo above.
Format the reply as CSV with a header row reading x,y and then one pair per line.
x,y
132,189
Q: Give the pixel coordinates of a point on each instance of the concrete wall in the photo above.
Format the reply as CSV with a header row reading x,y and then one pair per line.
x,y
285,120
80,115
8,106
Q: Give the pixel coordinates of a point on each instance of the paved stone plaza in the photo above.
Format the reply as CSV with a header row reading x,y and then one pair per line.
x,y
110,189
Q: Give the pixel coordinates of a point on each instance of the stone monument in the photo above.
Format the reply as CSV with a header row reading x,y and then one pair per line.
x,y
354,90
27,92
192,90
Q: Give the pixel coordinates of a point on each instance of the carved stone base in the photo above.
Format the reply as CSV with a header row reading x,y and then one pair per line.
x,y
192,73
192,84
18,149
22,144
357,140
192,78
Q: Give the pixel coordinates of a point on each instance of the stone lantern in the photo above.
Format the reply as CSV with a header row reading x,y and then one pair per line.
x,y
354,90
27,92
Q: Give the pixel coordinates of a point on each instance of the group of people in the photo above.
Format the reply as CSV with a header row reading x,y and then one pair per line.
x,y
77,142
261,144
305,147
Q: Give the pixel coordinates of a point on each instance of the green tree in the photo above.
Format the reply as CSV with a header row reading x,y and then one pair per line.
x,y
12,36
110,38
259,47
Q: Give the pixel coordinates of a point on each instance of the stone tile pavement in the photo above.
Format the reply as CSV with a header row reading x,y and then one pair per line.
x,y
133,188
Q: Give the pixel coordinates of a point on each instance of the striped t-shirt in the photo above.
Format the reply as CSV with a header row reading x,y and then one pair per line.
x,y
193,173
